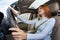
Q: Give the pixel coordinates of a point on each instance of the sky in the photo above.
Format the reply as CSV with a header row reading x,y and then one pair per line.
x,y
4,5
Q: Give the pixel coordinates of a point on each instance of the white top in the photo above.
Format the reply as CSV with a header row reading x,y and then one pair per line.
x,y
43,32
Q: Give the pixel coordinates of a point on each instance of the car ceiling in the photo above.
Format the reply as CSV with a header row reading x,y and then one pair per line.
x,y
24,4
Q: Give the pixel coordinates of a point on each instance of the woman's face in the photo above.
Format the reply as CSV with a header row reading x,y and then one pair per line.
x,y
40,11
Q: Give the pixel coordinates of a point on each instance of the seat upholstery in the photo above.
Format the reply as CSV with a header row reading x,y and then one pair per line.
x,y
56,30
54,6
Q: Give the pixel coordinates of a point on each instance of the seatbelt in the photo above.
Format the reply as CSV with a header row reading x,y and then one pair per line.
x,y
35,30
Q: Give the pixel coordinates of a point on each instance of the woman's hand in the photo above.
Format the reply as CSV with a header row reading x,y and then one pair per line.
x,y
18,34
16,13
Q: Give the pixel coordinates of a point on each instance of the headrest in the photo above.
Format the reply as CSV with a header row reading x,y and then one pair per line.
x,y
54,7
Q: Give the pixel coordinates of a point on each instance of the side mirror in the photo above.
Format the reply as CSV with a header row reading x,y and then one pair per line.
x,y
1,17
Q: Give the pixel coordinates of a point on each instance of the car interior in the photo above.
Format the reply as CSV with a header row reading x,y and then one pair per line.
x,y
22,7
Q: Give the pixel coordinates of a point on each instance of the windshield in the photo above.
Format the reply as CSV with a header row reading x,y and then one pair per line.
x,y
4,5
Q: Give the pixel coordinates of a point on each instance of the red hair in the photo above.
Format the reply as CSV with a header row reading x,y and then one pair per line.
x,y
47,10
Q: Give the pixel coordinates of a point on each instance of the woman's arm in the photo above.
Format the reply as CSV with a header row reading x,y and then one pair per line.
x,y
26,21
16,13
44,32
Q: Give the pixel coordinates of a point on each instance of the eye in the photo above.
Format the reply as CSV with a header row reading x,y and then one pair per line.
x,y
40,8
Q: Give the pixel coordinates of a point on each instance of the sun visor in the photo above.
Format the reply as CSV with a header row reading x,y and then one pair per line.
x,y
37,3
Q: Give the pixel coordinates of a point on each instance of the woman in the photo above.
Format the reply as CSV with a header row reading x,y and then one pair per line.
x,y
43,32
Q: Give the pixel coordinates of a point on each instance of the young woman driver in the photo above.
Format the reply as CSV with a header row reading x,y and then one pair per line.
x,y
43,32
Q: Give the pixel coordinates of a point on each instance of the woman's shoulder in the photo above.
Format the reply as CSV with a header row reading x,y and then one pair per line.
x,y
51,20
